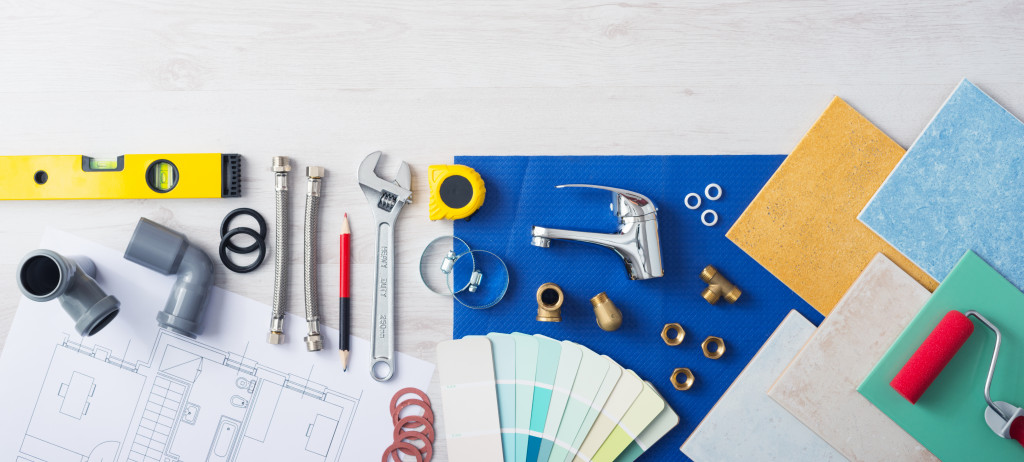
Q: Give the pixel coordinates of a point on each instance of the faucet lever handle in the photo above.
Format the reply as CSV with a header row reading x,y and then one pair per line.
x,y
625,203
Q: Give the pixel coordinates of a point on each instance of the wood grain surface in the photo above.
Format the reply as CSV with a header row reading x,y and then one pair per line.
x,y
328,82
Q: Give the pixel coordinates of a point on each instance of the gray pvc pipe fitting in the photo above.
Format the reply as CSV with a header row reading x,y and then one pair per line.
x,y
44,275
166,251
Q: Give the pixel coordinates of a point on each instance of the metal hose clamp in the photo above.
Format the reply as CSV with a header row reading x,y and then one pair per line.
x,y
315,177
281,167
476,277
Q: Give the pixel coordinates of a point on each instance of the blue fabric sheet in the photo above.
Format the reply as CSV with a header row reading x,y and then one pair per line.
x,y
521,193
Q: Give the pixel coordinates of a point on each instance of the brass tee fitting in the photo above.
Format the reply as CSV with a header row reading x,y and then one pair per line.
x,y
549,302
609,317
718,286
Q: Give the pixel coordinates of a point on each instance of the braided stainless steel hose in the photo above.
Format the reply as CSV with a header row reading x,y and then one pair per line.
x,y
315,177
281,166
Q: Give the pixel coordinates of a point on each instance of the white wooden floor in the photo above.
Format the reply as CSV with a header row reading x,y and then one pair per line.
x,y
327,82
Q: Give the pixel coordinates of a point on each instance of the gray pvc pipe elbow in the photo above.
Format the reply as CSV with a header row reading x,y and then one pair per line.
x,y
44,275
166,251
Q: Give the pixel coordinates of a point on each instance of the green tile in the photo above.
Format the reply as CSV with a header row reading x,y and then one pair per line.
x,y
949,418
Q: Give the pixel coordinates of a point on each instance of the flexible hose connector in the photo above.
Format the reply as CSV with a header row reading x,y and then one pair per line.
x,y
281,167
315,177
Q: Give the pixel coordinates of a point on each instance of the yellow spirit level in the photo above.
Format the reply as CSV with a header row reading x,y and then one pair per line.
x,y
131,176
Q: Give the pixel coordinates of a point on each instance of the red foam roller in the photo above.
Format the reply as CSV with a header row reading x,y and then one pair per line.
x,y
932,356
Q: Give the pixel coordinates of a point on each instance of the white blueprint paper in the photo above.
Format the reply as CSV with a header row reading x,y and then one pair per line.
x,y
137,393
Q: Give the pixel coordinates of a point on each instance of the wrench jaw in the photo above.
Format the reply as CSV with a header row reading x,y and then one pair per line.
x,y
387,195
404,181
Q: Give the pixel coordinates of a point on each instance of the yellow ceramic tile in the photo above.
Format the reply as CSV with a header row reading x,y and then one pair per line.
x,y
803,225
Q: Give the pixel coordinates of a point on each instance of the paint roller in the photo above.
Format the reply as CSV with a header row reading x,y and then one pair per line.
x,y
937,350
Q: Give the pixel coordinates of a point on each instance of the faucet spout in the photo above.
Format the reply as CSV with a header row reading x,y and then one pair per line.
x,y
636,241
637,246
542,237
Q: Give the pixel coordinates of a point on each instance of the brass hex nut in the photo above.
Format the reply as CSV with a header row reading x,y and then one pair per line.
x,y
677,339
687,383
719,347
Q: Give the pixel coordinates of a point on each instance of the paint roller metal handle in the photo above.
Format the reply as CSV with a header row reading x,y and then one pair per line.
x,y
992,367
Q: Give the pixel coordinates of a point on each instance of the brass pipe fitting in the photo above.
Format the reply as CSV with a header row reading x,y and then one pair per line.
x,y
677,338
718,286
719,347
609,317
675,378
549,302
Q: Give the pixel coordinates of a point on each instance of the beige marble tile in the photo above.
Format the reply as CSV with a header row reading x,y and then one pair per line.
x,y
820,385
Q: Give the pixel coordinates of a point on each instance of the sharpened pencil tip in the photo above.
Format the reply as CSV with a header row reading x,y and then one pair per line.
x,y
344,360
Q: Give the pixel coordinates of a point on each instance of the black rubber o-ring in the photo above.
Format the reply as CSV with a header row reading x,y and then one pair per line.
x,y
225,243
259,221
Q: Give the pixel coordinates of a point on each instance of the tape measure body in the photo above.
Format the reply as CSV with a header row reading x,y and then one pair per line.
x,y
131,176
456,191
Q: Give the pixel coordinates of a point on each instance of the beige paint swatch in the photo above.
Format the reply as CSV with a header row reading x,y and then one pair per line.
x,y
820,385
803,224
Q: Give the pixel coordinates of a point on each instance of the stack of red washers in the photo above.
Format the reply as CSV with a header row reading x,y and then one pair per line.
x,y
411,428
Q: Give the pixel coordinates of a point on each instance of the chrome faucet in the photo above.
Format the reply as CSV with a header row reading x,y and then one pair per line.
x,y
636,240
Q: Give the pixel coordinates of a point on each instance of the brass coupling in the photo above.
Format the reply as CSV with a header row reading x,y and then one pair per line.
x,y
609,317
686,384
718,286
549,302
673,340
719,349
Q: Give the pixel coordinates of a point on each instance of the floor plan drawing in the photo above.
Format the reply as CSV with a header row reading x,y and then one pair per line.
x,y
186,402
136,392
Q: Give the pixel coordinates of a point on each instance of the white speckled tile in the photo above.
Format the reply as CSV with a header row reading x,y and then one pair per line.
x,y
746,425
820,385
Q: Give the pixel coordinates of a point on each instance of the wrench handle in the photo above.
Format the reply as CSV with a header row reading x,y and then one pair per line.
x,y
382,353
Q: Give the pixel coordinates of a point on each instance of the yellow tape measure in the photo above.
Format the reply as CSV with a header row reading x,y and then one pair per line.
x,y
131,176
456,191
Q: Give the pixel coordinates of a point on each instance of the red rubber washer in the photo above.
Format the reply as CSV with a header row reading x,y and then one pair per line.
x,y
427,451
427,412
406,391
398,445
427,429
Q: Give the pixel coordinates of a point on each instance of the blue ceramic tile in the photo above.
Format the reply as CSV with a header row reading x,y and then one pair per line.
x,y
521,193
958,188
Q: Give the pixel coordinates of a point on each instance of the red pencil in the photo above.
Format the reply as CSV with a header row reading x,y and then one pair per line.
x,y
346,234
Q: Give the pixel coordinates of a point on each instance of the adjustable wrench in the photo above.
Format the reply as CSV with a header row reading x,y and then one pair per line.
x,y
386,199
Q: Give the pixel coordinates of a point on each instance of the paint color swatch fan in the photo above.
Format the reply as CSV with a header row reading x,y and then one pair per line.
x,y
517,397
